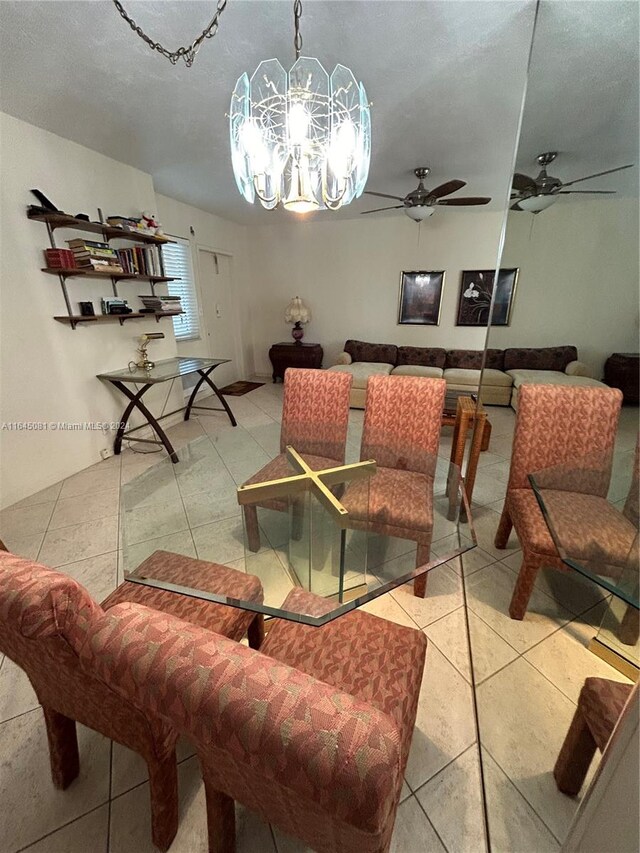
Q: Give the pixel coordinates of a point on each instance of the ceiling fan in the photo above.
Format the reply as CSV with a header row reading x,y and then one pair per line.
x,y
536,194
420,203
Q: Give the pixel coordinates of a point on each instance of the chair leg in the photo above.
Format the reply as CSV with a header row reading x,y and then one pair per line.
x,y
221,819
629,627
251,525
163,790
504,530
575,756
423,556
256,632
524,586
63,747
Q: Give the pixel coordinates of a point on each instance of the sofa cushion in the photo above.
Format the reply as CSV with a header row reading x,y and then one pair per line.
x,y
422,356
462,376
362,370
472,359
542,358
417,370
376,353
550,377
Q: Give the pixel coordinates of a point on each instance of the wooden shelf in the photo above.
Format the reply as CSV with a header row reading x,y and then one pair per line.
x,y
109,232
67,273
74,319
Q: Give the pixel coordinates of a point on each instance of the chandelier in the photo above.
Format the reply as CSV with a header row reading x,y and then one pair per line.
x,y
301,139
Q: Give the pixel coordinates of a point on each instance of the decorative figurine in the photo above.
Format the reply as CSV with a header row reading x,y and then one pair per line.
x,y
151,223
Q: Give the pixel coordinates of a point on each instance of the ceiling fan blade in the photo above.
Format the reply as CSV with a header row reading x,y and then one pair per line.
x,y
448,188
586,192
597,175
464,202
378,209
523,183
384,195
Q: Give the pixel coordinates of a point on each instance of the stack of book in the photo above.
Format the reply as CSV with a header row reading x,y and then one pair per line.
x,y
95,256
161,303
59,259
142,260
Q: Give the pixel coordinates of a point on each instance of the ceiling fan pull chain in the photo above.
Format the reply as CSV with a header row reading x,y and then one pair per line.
x,y
297,38
186,53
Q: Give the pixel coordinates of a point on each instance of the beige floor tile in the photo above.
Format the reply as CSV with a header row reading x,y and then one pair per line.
x,y
131,828
485,522
386,607
489,593
79,542
444,594
472,560
513,825
487,489
220,503
445,721
45,496
413,832
150,522
453,801
88,834
31,806
269,566
26,521
24,546
129,769
89,507
99,575
523,720
566,661
220,542
16,693
154,486
96,480
175,543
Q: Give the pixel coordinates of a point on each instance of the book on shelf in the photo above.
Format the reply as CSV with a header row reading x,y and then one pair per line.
x,y
161,303
142,260
80,243
59,258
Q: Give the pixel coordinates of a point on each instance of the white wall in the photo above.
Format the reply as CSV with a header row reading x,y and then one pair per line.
x,y
578,280
348,272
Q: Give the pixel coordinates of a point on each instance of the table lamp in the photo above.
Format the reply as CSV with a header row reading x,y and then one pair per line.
x,y
143,342
297,313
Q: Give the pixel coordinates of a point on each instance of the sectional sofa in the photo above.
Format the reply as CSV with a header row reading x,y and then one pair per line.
x,y
505,370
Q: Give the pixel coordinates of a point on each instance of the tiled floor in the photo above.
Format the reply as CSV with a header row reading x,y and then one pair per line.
x,y
528,673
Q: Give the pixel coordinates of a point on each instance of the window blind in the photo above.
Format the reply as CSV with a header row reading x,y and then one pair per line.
x,y
178,265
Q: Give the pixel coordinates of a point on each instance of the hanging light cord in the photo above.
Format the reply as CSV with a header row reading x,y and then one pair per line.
x,y
297,38
186,53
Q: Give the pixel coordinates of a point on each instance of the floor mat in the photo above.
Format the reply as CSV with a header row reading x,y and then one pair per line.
x,y
237,389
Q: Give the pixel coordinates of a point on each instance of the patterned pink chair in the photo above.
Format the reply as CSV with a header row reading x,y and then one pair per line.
x,y
402,422
599,707
44,619
555,424
321,760
315,416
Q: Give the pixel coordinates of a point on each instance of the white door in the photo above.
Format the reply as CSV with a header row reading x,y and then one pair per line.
x,y
218,313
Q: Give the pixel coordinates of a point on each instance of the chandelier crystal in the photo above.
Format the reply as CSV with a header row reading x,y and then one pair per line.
x,y
301,139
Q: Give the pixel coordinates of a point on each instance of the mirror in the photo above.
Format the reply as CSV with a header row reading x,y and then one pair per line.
x,y
564,312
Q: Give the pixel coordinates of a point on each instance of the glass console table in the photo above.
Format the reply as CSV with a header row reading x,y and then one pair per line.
x,y
590,506
330,532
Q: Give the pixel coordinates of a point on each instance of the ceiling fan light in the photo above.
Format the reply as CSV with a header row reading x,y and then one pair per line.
x,y
536,203
419,212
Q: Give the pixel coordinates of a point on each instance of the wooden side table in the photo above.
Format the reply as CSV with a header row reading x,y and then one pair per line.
x,y
466,416
290,354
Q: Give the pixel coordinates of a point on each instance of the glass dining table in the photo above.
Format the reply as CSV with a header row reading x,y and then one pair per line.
x,y
590,507
332,532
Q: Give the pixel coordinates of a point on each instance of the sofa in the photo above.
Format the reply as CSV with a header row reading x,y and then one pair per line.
x,y
505,370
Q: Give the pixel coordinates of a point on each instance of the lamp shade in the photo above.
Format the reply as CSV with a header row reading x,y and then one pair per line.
x,y
536,203
419,212
297,312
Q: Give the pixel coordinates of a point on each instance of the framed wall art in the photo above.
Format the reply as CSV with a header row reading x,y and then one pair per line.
x,y
420,297
476,290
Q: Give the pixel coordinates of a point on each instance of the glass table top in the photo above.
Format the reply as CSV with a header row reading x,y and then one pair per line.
x,y
165,369
346,534
590,506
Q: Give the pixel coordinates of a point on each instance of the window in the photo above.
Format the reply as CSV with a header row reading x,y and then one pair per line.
x,y
177,264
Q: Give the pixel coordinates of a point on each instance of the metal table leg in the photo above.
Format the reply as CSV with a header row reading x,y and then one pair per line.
x,y
136,403
204,377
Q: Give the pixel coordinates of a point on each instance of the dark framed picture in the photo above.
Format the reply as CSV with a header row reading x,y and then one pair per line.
x,y
420,297
476,290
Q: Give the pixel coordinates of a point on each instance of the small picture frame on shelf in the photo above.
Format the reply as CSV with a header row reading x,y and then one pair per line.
x,y
420,297
476,290
86,309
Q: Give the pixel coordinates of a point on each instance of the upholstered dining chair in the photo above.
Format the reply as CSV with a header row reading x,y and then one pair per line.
x,y
600,705
555,425
315,417
321,761
45,616
402,423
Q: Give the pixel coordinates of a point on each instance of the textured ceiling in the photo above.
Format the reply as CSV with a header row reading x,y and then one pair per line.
x,y
445,79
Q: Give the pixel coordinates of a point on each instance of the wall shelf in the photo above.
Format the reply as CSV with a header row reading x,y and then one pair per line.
x,y
109,232
120,276
73,319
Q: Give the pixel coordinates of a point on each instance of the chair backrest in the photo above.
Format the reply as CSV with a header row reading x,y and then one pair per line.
x,y
45,617
631,509
316,762
560,424
402,422
315,412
